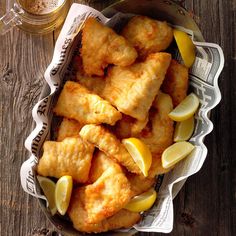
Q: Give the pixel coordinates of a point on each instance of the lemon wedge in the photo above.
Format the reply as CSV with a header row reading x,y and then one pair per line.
x,y
48,187
63,193
185,46
185,109
175,153
140,153
142,202
184,130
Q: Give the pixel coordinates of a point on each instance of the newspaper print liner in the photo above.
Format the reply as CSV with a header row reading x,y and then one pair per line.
x,y
203,82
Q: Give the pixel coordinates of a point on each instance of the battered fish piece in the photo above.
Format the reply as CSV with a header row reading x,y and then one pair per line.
x,y
78,212
123,127
105,197
76,102
138,126
156,167
107,142
78,215
95,84
148,35
160,135
132,89
68,128
72,157
100,163
139,184
102,46
123,219
176,82
129,127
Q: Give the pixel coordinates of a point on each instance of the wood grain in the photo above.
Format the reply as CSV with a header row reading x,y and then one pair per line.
x,y
206,204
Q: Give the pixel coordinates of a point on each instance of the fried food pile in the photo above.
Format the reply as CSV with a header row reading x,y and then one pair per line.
x,y
125,87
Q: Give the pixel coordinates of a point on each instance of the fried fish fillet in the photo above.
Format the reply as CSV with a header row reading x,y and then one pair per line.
x,y
156,167
138,126
95,84
129,127
176,82
160,135
109,194
76,102
105,197
72,157
100,163
148,35
79,215
132,89
68,128
102,46
78,210
139,184
107,142
122,219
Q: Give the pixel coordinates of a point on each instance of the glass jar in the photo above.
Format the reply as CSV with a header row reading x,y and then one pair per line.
x,y
36,17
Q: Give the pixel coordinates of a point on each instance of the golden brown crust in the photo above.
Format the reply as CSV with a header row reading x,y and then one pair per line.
x,y
72,157
158,135
156,167
132,89
68,128
139,184
102,46
94,84
76,102
176,82
122,219
129,127
148,35
107,142
106,196
100,163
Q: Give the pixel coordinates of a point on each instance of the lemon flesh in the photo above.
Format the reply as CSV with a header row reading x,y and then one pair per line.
x,y
48,187
184,130
175,153
185,46
185,109
142,202
63,193
140,153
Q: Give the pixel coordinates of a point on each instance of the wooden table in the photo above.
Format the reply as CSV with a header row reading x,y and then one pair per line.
x,y
206,203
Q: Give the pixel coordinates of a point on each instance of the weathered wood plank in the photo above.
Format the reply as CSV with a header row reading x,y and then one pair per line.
x,y
206,204
23,62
